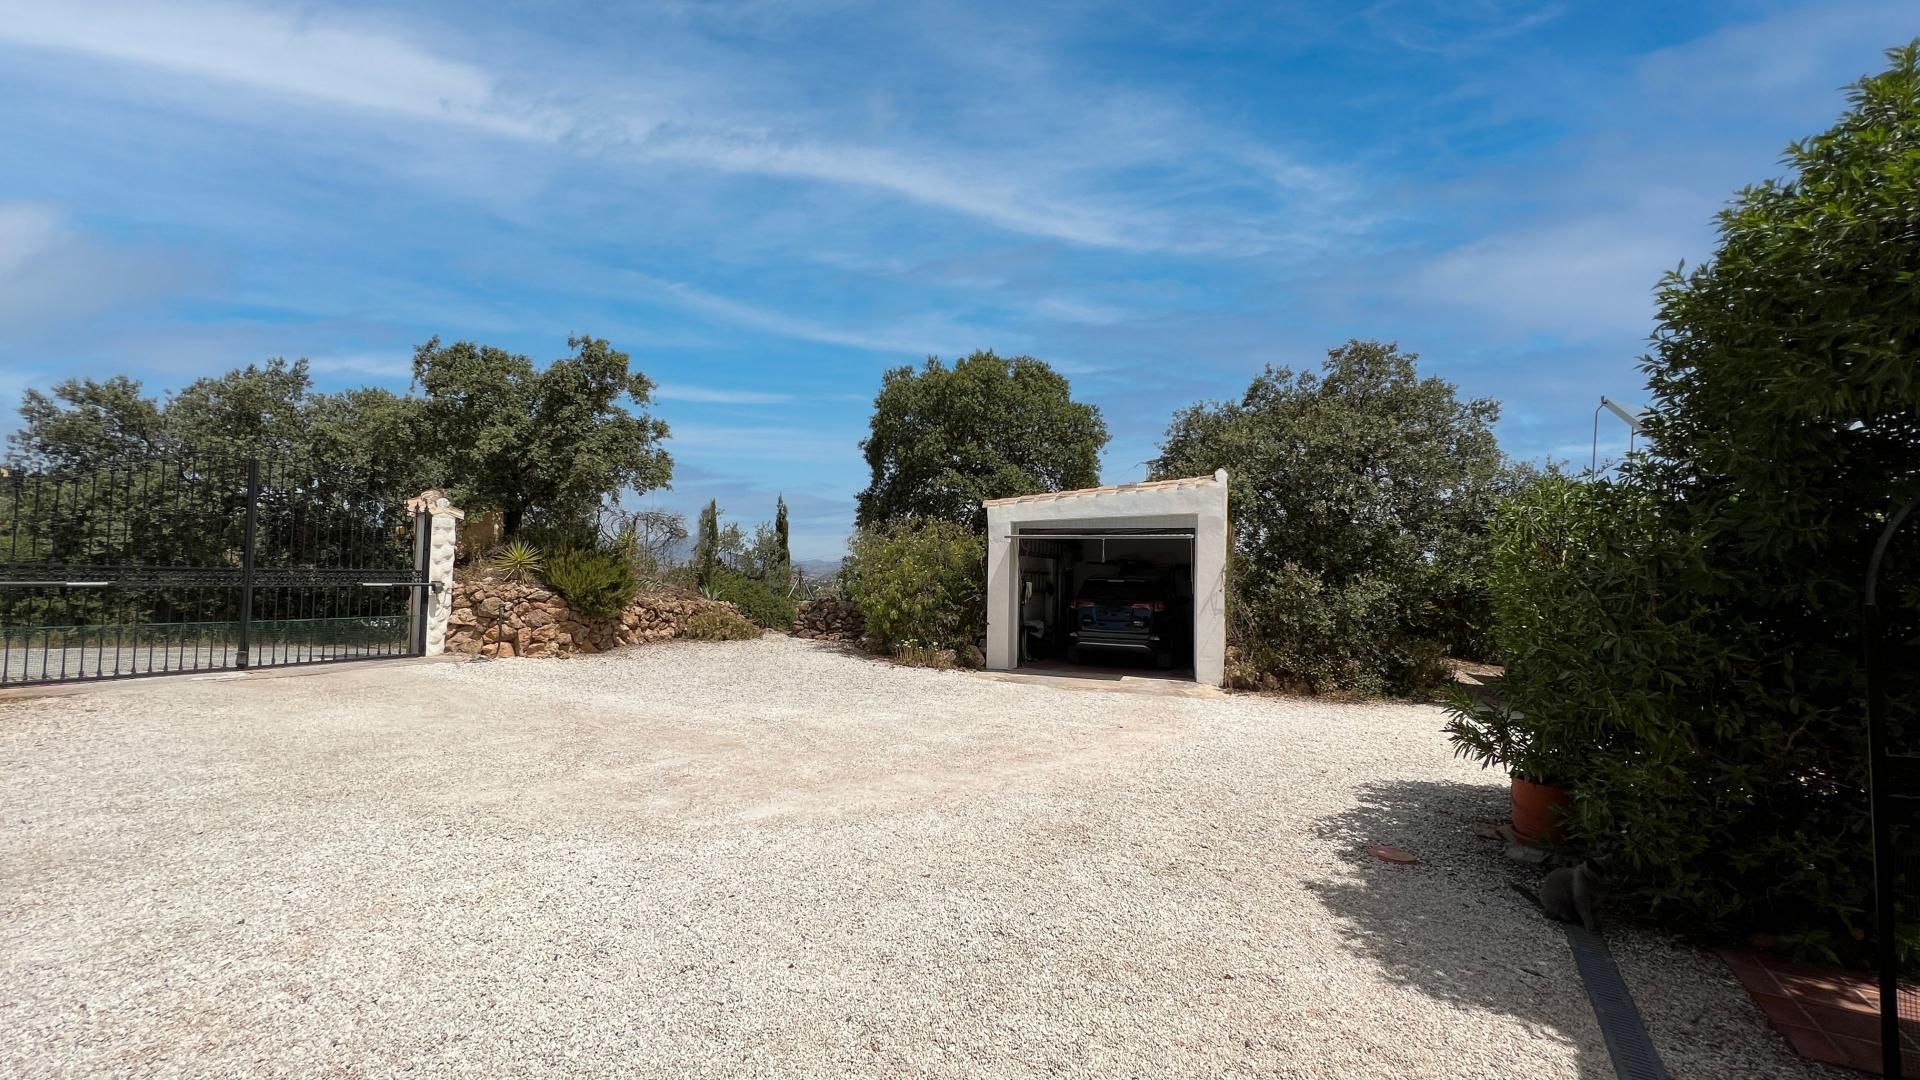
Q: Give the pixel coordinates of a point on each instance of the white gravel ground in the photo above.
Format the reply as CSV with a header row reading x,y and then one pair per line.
x,y
769,858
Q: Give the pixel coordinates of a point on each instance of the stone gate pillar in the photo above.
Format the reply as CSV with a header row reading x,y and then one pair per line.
x,y
442,526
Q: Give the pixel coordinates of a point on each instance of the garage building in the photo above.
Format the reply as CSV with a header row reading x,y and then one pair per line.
x,y
1132,575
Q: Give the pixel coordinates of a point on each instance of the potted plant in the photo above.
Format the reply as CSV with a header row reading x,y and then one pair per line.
x,y
1496,734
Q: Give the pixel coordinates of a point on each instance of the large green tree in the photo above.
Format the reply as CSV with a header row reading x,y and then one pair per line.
x,y
270,411
943,439
1360,497
83,423
554,443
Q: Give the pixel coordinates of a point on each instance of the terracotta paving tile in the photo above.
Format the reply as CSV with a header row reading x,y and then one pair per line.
x,y
1781,1009
1861,1054
1826,1014
1750,970
1813,1044
1858,1025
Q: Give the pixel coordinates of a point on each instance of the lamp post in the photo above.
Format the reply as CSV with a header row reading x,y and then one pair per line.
x,y
1633,429
1882,766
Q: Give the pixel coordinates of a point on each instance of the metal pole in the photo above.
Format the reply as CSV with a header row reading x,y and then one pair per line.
x,y
1879,799
243,657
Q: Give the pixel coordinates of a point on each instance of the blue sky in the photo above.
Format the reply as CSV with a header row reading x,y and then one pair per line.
x,y
769,204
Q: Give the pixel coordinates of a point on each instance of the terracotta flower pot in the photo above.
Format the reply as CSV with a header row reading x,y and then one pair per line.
x,y
1536,810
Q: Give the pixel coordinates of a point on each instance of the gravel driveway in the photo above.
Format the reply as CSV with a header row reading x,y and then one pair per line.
x,y
769,858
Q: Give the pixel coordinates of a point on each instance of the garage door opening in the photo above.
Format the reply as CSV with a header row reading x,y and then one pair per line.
x,y
1113,601
1128,580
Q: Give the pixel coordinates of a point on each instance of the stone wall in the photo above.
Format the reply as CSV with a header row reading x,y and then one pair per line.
x,y
831,619
503,618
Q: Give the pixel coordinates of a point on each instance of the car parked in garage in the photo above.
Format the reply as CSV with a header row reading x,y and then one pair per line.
x,y
1133,614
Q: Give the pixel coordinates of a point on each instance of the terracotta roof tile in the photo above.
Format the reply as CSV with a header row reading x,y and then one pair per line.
x,y
1149,485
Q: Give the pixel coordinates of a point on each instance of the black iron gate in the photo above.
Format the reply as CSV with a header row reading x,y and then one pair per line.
x,y
164,565
1892,636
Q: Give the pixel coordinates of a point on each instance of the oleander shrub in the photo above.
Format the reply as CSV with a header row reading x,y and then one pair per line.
x,y
721,625
921,585
1689,635
599,583
759,601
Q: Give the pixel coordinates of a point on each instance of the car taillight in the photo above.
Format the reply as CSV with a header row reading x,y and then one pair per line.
x,y
1082,603
1151,605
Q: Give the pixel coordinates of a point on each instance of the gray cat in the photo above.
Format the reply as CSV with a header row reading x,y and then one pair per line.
x,y
1570,894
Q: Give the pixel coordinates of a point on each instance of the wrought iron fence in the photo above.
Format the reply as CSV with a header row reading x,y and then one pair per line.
x,y
186,563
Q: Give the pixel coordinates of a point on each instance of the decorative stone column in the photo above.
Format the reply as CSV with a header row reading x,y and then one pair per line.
x,y
442,526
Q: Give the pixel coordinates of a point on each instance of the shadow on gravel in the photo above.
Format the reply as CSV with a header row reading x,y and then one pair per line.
x,y
1450,927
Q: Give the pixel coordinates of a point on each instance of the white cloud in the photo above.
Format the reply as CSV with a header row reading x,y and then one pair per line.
x,y
761,443
715,395
49,272
377,365
911,339
324,60
1576,278
26,230
934,184
1458,28
1042,175
1777,61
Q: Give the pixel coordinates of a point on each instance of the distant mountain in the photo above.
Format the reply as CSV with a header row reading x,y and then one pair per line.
x,y
818,568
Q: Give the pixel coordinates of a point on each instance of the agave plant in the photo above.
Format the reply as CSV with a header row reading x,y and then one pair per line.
x,y
518,561
710,591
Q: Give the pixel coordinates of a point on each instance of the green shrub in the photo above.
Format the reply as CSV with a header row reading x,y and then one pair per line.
x,y
1689,636
721,625
599,583
920,585
1360,496
1303,633
759,602
1571,586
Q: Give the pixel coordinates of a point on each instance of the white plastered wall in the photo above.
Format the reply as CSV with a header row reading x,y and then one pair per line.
x,y
1199,504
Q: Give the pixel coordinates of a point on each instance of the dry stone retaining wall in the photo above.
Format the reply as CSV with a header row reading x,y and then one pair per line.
x,y
506,618
830,619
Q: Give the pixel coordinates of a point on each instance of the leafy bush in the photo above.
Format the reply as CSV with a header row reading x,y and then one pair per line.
x,y
920,585
721,625
1689,636
1360,498
599,583
1572,581
1301,632
759,602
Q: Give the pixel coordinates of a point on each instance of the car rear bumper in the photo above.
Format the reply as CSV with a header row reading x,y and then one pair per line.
x,y
1099,640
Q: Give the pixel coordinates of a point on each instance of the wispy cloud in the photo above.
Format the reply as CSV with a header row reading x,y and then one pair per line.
x,y
1576,278
1460,27
913,340
763,443
321,58
50,272
1064,186
376,365
716,395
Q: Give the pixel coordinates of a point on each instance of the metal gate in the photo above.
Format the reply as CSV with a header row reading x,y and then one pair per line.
x,y
193,563
1892,638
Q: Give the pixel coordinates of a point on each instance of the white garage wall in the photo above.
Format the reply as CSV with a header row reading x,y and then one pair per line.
x,y
1199,504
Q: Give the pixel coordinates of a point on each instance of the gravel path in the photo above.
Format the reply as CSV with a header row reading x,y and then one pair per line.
x,y
769,858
